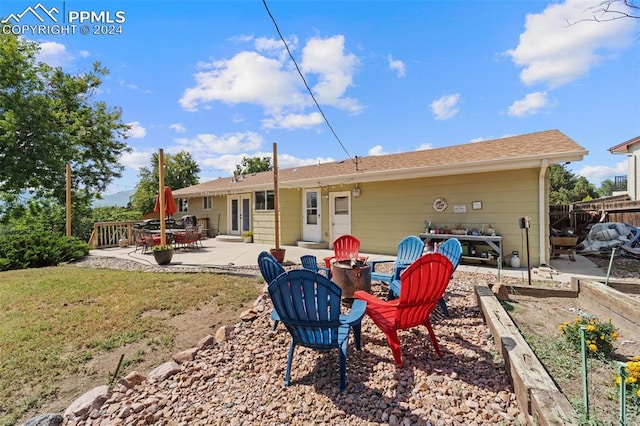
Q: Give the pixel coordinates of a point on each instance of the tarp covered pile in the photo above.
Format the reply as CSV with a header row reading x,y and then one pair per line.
x,y
605,236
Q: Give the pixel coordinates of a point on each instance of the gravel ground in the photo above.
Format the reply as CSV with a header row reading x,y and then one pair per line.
x,y
240,381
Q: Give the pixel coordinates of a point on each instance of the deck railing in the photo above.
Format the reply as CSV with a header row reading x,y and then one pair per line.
x,y
109,234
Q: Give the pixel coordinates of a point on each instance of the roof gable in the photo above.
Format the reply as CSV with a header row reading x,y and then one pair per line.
x,y
508,153
625,147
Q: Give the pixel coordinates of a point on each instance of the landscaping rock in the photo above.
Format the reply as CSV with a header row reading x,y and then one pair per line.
x,y
92,400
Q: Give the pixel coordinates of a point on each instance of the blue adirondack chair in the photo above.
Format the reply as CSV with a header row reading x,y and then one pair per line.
x,y
310,262
409,249
452,249
270,268
308,304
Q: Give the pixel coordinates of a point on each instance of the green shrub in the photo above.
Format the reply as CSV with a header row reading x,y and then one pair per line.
x,y
599,336
38,248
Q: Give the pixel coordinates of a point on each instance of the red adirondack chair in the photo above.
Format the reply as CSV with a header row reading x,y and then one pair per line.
x,y
423,284
345,247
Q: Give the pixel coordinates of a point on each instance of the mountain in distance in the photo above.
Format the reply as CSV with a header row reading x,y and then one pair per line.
x,y
116,199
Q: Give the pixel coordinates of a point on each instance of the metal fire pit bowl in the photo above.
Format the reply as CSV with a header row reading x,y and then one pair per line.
x,y
351,276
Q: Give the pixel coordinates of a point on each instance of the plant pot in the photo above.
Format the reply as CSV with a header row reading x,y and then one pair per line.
x,y
248,239
278,254
163,257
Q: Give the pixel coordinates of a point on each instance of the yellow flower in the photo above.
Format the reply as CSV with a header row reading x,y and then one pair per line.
x,y
593,348
636,358
638,392
576,319
591,327
614,335
618,380
561,327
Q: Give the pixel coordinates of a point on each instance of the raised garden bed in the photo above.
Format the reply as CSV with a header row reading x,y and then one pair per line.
x,y
537,392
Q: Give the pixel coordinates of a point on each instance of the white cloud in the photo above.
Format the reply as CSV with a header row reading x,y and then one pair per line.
x,y
177,127
445,107
289,161
530,105
596,174
397,65
136,131
557,47
228,162
334,68
136,159
208,143
424,146
54,54
248,77
293,121
267,78
377,150
479,139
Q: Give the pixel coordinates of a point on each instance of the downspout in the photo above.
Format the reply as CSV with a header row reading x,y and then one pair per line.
x,y
542,213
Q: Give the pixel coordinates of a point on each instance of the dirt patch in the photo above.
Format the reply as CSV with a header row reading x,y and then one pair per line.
x,y
187,330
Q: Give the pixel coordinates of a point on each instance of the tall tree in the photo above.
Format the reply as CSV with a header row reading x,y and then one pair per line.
x,y
254,165
606,188
567,188
47,120
180,171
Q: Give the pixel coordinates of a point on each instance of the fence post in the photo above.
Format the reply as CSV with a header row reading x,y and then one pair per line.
x,y
623,393
585,381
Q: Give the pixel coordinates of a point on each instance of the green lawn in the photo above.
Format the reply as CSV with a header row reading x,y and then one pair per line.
x,y
53,320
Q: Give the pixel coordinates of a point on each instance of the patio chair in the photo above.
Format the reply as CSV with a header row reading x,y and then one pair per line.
x,y
308,304
423,284
345,247
453,250
187,239
270,268
409,249
310,262
139,241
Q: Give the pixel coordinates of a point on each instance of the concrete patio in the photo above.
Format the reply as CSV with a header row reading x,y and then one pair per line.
x,y
217,253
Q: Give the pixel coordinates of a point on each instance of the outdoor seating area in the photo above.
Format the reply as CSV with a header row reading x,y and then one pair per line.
x,y
319,306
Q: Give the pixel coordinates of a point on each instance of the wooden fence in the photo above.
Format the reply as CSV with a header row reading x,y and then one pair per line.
x,y
578,216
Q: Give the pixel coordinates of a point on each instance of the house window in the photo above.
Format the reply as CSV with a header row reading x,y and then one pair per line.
x,y
183,205
263,200
207,203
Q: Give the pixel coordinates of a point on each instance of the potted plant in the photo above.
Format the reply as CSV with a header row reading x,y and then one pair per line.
x,y
163,254
248,236
278,253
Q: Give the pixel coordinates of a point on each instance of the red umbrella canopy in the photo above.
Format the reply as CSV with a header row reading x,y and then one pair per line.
x,y
169,203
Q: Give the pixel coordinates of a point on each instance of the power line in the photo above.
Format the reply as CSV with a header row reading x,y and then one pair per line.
x,y
307,85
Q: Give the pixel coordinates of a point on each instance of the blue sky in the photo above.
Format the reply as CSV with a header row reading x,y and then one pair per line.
x,y
213,77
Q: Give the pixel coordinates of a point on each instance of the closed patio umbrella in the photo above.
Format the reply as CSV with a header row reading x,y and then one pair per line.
x,y
169,203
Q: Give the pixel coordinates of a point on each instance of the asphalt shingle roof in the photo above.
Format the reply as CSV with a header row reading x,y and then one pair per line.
x,y
499,154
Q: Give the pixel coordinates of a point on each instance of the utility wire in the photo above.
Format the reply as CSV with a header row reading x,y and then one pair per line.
x,y
307,85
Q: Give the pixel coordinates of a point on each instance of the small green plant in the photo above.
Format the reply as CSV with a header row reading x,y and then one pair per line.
x,y
599,336
162,247
632,381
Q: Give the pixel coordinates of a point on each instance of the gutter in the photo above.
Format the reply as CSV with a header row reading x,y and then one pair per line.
x,y
543,217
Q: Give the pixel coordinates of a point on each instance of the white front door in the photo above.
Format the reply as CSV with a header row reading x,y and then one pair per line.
x,y
340,212
311,224
239,214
